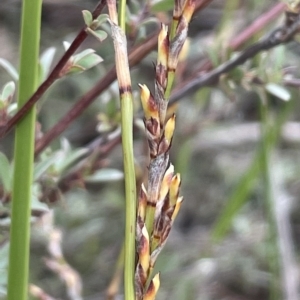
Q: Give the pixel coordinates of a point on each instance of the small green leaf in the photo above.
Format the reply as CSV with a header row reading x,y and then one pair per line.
x,y
8,91
278,91
105,175
89,61
94,25
100,35
36,204
41,167
46,62
88,18
82,54
75,70
9,68
69,158
102,18
5,172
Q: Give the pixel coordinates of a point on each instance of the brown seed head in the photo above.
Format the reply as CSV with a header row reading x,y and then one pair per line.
x,y
163,46
142,202
144,254
165,185
174,189
177,207
153,288
169,129
148,102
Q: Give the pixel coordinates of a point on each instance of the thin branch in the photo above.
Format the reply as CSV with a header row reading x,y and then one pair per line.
x,y
135,56
257,25
52,76
281,35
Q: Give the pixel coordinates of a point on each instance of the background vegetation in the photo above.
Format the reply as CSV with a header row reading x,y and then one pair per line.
x,y
235,145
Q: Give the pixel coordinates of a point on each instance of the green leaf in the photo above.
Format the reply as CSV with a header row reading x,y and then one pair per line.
x,y
105,175
89,61
102,18
82,54
84,61
36,204
9,68
69,158
5,173
43,166
100,35
163,5
88,18
46,62
278,91
75,70
8,91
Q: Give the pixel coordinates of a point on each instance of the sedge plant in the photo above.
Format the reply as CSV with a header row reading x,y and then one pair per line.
x,y
123,76
159,201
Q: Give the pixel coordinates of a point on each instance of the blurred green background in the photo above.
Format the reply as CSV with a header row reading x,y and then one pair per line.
x,y
237,234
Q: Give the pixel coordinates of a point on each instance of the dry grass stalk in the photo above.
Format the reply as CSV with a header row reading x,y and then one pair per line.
x,y
38,293
57,262
160,202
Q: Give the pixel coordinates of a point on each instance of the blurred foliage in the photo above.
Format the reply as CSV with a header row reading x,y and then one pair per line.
x,y
217,149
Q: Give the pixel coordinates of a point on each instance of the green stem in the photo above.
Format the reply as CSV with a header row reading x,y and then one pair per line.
x,y
130,193
122,14
171,76
130,184
272,249
24,153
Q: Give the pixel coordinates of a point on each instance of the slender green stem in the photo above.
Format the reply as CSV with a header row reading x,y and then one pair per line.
x,y
171,76
122,14
173,28
24,153
272,249
129,171
130,192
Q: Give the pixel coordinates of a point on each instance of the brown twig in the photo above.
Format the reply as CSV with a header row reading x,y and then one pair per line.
x,y
257,25
278,36
136,55
52,76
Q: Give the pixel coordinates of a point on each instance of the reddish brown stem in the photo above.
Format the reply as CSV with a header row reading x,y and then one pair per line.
x,y
136,55
257,25
52,76
236,43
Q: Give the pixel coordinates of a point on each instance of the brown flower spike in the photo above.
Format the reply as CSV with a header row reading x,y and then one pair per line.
x,y
159,200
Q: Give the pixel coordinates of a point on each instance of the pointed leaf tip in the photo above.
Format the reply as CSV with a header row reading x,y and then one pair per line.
x,y
88,18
